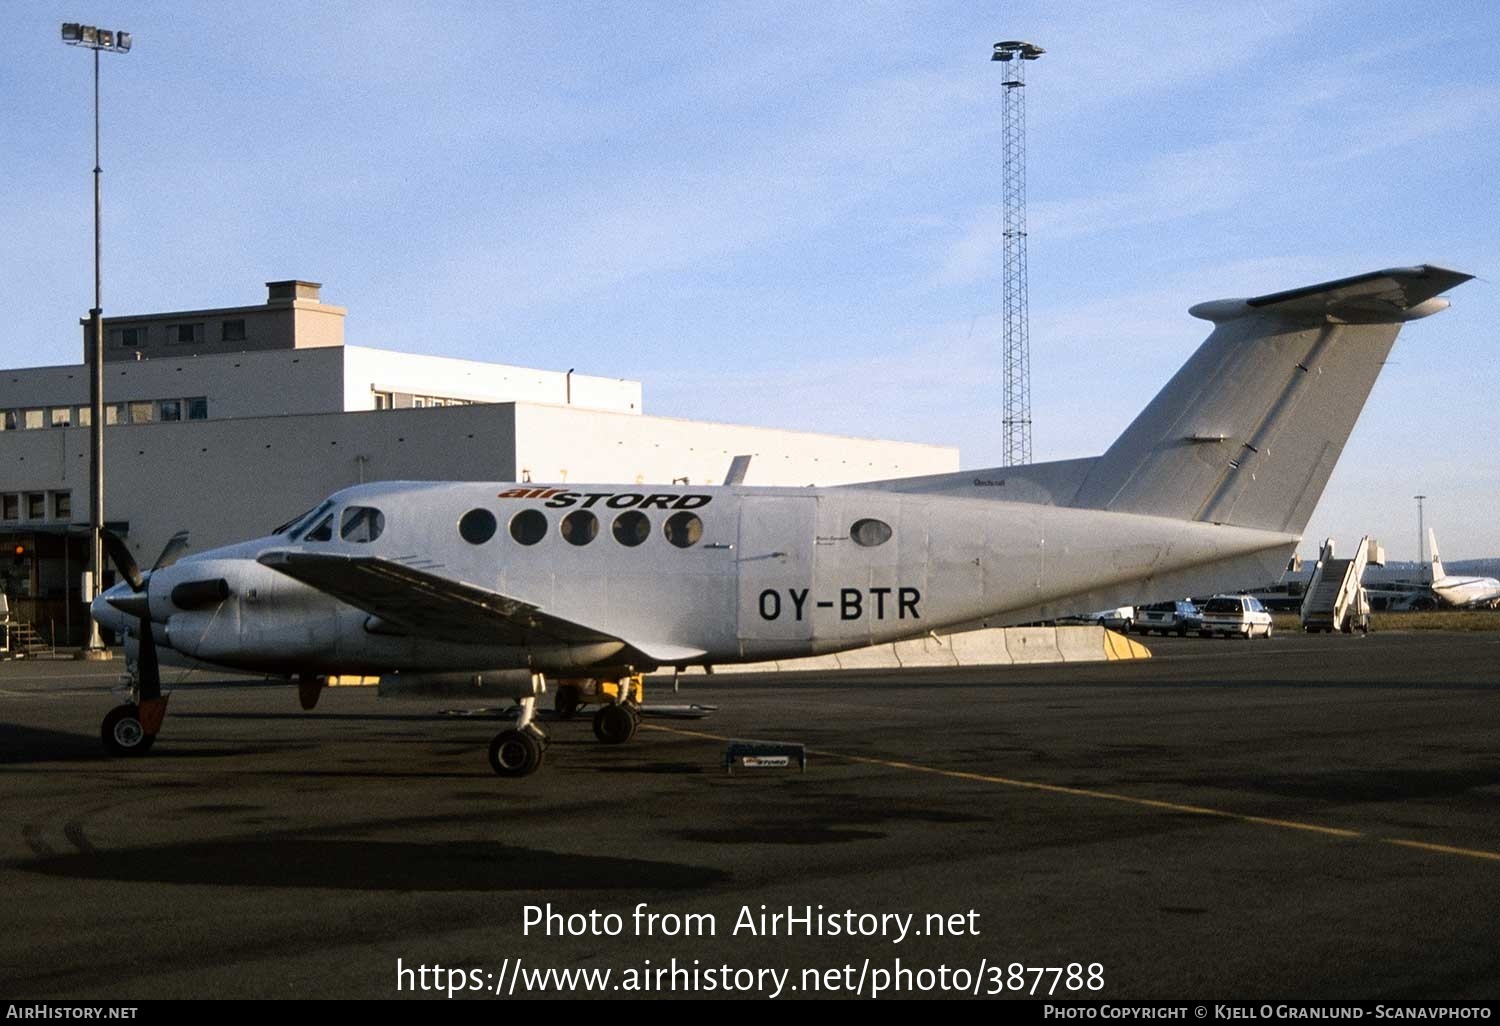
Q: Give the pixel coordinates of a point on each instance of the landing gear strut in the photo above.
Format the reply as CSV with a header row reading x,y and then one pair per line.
x,y
519,751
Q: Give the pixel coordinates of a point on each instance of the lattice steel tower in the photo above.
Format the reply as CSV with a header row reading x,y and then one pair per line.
x,y
1015,335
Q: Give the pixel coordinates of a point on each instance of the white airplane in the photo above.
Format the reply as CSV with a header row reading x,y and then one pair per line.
x,y
487,590
1444,588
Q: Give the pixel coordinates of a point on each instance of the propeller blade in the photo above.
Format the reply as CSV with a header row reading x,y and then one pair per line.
x,y
175,547
120,556
148,670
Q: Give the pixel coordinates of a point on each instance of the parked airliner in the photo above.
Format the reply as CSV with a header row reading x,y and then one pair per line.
x,y
491,588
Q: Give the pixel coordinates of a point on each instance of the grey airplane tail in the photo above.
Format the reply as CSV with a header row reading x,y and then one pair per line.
x,y
1248,431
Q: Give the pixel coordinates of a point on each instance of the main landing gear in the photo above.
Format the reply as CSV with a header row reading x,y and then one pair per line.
x,y
520,750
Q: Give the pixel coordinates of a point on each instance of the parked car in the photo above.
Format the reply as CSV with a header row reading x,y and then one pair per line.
x,y
1121,618
1238,615
1168,618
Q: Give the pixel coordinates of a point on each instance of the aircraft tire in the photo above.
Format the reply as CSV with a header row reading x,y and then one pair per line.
x,y
614,724
516,753
123,734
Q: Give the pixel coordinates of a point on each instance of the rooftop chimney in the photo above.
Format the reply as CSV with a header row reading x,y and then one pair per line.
x,y
278,292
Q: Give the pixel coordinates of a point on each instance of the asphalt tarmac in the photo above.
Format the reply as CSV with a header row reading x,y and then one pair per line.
x,y
1301,817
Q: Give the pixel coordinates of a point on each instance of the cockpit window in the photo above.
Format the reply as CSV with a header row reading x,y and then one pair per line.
x,y
361,524
296,528
323,532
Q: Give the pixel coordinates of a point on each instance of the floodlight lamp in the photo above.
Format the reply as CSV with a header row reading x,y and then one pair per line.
x,y
88,35
106,39
122,42
71,31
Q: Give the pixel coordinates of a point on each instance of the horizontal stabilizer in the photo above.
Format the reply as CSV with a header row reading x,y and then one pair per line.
x,y
1392,296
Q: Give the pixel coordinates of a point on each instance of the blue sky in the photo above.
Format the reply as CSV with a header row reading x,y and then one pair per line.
x,y
787,214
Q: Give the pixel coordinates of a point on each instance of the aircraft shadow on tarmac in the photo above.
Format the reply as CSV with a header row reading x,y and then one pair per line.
x,y
372,865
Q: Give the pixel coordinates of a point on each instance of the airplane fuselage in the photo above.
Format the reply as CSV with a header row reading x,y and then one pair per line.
x,y
728,574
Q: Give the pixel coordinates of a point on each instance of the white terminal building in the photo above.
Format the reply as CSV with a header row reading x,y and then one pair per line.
x,y
229,422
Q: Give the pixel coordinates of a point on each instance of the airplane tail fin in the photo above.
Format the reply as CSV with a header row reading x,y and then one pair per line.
x,y
1435,562
1248,431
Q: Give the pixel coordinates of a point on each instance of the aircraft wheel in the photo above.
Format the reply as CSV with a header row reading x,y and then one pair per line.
x,y
567,702
516,753
615,724
123,733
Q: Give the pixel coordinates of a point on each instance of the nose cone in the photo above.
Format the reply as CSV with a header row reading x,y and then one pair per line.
x,y
105,614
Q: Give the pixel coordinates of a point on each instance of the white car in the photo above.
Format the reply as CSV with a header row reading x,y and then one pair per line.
x,y
1234,615
1121,618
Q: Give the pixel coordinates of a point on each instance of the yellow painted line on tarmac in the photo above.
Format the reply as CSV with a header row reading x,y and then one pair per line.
x,y
1444,849
1124,799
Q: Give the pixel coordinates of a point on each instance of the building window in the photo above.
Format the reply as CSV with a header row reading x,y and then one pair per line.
x,y
171,409
234,331
33,419
197,408
142,412
10,507
127,338
382,400
83,416
62,505
60,416
114,413
184,333
10,421
36,506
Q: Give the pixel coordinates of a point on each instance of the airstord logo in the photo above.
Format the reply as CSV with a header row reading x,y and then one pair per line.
x,y
561,498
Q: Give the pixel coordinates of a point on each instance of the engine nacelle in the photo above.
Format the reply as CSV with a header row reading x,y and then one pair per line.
x,y
485,684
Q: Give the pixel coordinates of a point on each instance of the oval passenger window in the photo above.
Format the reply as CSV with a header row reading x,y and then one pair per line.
x,y
528,527
580,527
478,526
631,528
683,530
870,533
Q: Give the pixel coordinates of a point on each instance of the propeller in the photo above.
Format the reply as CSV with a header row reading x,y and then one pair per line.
x,y
148,667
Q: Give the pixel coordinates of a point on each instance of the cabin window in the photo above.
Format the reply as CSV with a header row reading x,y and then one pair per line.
x,y
528,526
478,526
580,527
631,528
364,523
683,530
870,533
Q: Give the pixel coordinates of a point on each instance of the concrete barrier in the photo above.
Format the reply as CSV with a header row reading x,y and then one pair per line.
x,y
927,651
980,648
1118,646
992,646
875,657
1082,644
1032,645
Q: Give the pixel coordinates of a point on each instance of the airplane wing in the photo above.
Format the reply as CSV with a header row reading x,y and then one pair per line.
x,y
433,606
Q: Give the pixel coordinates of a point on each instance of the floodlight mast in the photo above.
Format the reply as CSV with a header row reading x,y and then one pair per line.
x,y
109,41
1015,332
